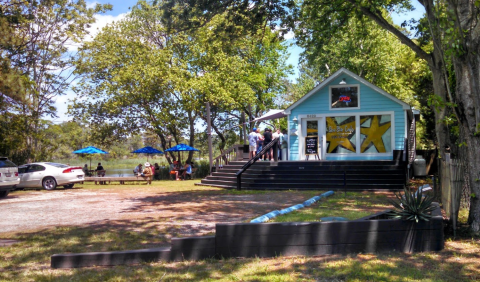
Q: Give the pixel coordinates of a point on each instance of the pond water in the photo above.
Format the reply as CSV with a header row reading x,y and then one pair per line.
x,y
119,172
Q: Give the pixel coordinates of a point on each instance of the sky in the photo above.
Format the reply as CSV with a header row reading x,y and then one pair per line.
x,y
122,7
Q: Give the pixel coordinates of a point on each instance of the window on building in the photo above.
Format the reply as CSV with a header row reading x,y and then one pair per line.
x,y
376,134
344,97
341,134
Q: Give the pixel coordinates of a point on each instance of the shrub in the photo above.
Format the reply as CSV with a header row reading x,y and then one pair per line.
x,y
412,206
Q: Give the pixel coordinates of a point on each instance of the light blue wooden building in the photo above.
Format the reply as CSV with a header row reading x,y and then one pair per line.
x,y
348,118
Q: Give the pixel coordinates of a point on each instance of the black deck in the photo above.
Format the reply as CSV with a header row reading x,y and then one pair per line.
x,y
313,175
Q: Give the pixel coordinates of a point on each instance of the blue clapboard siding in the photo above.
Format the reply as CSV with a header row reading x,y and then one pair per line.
x,y
370,102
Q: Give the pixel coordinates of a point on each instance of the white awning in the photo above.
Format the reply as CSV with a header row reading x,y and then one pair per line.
x,y
272,114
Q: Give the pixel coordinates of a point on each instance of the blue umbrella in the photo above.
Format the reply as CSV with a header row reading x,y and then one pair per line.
x,y
181,148
89,151
147,150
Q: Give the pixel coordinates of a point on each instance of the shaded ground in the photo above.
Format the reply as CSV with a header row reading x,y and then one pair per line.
x,y
190,213
195,212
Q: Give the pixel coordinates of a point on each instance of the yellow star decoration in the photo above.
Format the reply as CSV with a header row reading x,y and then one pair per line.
x,y
337,136
374,135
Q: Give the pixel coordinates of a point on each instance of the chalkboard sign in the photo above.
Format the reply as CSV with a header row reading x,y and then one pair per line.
x,y
311,145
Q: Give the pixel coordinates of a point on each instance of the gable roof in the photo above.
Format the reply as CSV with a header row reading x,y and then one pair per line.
x,y
351,74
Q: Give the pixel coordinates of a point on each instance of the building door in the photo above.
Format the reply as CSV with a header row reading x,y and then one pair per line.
x,y
311,141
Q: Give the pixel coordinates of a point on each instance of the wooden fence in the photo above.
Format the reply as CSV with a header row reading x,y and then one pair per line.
x,y
452,175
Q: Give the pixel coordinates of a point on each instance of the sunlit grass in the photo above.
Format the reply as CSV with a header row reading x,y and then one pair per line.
x,y
350,205
29,259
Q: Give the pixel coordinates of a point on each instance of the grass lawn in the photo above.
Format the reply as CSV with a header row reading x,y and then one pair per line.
x,y
352,205
29,259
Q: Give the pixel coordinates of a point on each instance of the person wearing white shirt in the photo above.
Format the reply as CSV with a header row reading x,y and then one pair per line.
x,y
278,134
252,140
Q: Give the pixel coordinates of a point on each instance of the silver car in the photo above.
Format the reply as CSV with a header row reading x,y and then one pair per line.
x,y
49,175
8,176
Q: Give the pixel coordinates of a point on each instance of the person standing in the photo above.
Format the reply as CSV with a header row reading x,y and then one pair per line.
x,y
279,135
284,145
152,168
156,173
259,141
267,138
252,140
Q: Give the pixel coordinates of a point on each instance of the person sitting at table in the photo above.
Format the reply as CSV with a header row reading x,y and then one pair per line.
x,y
147,172
100,170
85,170
187,171
174,167
138,170
156,174
152,168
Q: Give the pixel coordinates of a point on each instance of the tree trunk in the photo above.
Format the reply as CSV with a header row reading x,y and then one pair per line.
x,y
466,63
441,111
468,95
191,143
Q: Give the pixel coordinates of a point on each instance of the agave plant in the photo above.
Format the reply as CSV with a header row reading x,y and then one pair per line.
x,y
412,206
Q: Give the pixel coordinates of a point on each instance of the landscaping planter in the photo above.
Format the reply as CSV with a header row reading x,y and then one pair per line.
x,y
375,233
370,234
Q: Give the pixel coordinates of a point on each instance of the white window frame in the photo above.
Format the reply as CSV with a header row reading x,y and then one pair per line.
x,y
357,130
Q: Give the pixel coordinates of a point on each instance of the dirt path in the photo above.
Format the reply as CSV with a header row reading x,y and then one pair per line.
x,y
191,213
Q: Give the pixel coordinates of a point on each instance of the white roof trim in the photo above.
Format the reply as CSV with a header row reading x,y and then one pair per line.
x,y
358,78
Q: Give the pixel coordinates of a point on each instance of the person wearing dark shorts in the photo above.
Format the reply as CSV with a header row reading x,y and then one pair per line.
x,y
267,138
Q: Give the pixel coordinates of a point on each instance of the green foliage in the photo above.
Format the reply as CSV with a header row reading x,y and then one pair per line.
x,y
140,76
361,46
36,64
412,206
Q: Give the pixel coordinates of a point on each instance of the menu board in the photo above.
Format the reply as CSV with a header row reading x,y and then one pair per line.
x,y
311,145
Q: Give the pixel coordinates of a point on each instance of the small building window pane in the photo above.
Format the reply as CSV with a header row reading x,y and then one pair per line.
x,y
344,97
341,135
375,134
312,128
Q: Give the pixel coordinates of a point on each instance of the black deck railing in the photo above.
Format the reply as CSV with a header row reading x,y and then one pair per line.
x,y
253,160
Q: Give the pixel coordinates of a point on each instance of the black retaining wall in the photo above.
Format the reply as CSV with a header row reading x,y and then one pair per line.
x,y
366,235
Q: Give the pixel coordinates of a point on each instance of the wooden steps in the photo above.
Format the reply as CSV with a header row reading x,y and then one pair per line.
x,y
312,175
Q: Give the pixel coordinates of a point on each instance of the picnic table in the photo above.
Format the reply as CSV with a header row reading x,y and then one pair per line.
x,y
121,179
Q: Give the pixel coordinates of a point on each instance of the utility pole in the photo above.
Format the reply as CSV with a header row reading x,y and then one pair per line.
x,y
243,128
209,134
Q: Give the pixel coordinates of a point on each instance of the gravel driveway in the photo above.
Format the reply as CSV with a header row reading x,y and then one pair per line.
x,y
195,212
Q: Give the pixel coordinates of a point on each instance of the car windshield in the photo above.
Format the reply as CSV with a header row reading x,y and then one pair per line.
x,y
58,165
6,163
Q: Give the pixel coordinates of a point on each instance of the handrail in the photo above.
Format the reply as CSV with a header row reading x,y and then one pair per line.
x,y
254,159
231,154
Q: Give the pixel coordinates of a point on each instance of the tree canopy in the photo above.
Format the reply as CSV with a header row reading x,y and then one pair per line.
x,y
36,64
139,75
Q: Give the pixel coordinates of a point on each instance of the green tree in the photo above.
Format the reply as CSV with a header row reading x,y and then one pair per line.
x,y
140,76
37,55
451,27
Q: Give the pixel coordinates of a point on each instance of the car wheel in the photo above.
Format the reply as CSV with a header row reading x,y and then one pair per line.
x,y
3,194
49,183
69,186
